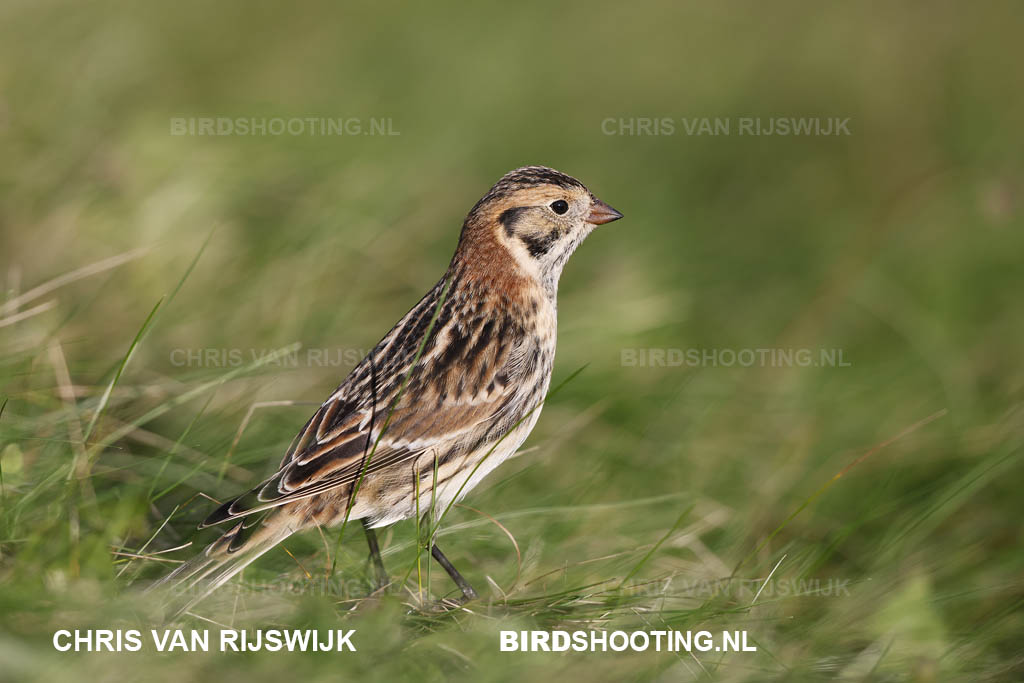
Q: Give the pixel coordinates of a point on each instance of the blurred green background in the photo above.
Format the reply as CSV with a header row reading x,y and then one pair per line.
x,y
648,497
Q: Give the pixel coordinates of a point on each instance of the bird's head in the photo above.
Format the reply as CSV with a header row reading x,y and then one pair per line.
x,y
537,216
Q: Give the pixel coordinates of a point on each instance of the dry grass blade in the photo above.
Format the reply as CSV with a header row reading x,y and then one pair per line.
x,y
519,555
24,315
245,423
73,276
817,494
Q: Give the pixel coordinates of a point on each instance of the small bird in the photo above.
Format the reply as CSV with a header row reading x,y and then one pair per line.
x,y
446,396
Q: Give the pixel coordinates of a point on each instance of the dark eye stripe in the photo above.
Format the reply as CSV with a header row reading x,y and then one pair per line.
x,y
509,217
537,245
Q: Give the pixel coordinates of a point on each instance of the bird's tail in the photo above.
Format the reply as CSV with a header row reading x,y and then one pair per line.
x,y
238,547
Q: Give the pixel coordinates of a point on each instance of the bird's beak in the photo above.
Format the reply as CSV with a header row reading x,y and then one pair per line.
x,y
601,213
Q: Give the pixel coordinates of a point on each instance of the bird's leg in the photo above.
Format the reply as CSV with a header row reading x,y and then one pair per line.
x,y
378,563
467,591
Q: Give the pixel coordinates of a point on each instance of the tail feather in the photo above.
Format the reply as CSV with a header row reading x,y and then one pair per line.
x,y
236,549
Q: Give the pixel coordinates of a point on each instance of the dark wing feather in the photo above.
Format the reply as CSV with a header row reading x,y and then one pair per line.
x,y
461,385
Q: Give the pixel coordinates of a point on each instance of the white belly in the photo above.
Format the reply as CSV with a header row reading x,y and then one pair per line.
x,y
457,478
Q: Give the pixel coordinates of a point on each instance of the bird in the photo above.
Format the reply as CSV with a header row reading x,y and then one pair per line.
x,y
445,397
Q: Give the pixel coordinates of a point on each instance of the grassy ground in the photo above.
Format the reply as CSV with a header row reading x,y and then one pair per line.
x,y
149,277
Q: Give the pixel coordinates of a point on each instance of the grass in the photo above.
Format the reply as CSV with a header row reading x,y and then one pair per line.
x,y
859,520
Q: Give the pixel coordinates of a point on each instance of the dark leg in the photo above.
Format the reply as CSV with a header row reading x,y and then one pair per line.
x,y
467,591
378,563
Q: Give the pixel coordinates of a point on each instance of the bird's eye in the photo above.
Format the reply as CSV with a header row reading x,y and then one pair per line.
x,y
560,206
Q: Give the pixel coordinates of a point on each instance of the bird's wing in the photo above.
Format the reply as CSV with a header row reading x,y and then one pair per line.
x,y
401,402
